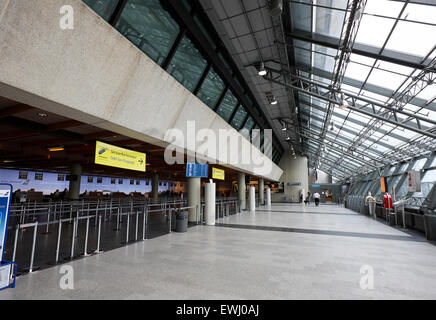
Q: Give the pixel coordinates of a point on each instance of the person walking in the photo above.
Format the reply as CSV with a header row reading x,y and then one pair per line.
x,y
316,197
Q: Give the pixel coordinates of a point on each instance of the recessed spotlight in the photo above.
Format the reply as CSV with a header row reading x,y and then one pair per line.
x,y
273,102
42,114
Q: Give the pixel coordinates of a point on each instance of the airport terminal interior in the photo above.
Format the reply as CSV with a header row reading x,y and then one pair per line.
x,y
217,149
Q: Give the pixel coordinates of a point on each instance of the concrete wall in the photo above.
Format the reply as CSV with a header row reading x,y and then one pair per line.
x,y
295,171
94,75
318,176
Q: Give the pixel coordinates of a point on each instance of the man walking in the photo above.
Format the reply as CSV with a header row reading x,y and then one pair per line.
x,y
316,197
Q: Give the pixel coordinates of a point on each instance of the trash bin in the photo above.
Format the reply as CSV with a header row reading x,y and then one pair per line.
x,y
430,226
182,221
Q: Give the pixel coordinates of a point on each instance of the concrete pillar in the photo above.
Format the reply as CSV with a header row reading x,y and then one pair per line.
x,y
155,187
261,192
241,190
209,204
252,199
296,172
268,196
74,189
194,185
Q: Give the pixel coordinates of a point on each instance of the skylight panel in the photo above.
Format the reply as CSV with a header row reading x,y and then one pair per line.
x,y
386,79
412,38
420,13
374,30
383,7
329,22
357,71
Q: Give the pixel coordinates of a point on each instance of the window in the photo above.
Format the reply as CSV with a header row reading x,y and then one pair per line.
x,y
61,177
132,181
419,164
90,179
147,25
187,65
428,182
138,182
211,89
22,175
147,182
99,180
104,9
38,176
120,181
249,124
227,106
112,180
239,118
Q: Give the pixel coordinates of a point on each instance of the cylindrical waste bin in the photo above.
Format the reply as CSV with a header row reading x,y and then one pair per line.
x,y
430,226
182,221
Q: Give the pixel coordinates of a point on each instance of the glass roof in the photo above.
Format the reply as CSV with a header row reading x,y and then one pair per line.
x,y
395,42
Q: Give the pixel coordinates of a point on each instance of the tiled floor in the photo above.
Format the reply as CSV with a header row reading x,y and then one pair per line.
x,y
285,252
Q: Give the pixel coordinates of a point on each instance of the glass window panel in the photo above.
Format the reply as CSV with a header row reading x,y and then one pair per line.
x,y
205,32
323,62
329,22
412,38
403,167
428,182
386,79
383,8
239,117
419,164
245,131
433,162
301,16
147,25
227,106
420,13
187,65
104,9
374,30
391,170
211,89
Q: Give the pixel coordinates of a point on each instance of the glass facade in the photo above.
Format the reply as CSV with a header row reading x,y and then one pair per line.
x,y
211,89
227,106
104,9
150,27
187,65
239,118
398,180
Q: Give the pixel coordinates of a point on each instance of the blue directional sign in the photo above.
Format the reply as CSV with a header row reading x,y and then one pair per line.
x,y
5,202
197,170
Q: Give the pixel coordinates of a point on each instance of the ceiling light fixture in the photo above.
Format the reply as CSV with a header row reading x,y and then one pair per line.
x,y
332,126
42,114
342,103
276,8
274,101
288,138
262,71
54,149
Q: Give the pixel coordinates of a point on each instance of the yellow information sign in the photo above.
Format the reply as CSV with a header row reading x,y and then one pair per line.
x,y
218,174
109,155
